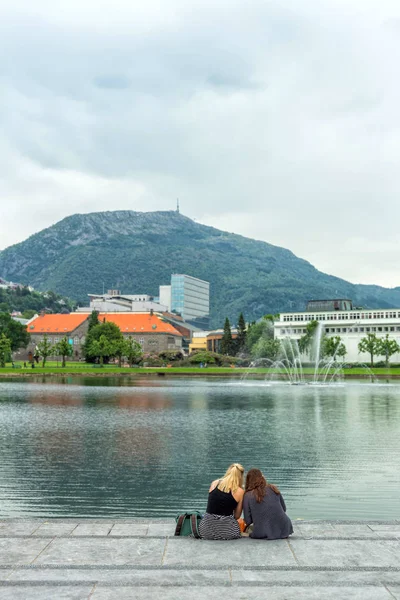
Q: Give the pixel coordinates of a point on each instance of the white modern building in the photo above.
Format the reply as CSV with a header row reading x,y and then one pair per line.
x,y
114,301
351,325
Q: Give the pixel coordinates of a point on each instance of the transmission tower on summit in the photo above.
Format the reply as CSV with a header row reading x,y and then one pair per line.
x,y
177,206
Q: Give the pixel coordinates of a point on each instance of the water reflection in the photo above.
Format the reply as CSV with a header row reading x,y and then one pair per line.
x,y
151,449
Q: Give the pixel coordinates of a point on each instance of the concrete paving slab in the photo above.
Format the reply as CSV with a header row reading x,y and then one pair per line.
x,y
277,593
50,529
104,551
395,591
161,529
47,592
187,551
129,529
18,528
316,578
20,550
92,529
123,576
382,527
347,553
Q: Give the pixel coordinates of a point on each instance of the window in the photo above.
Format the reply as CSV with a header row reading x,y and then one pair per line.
x,y
76,340
141,341
56,340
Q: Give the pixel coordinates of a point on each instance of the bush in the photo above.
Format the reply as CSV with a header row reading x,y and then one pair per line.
x,y
171,355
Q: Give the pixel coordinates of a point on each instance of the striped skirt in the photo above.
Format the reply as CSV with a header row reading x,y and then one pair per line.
x,y
219,527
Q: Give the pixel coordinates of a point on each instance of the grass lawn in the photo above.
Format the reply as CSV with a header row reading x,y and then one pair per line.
x,y
73,368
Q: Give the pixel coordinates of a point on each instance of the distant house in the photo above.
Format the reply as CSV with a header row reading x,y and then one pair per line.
x,y
74,326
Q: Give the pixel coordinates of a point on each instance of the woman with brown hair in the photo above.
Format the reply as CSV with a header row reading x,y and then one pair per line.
x,y
264,507
224,506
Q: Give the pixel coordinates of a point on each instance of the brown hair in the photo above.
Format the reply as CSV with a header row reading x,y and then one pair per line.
x,y
256,483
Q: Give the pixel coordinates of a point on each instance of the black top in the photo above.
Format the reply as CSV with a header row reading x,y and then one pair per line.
x,y
221,503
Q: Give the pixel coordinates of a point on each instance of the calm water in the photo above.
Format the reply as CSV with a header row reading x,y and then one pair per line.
x,y
109,447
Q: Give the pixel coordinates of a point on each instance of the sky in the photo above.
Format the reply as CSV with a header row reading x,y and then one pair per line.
x,y
276,120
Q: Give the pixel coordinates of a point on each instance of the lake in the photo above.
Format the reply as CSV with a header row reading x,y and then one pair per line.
x,y
121,447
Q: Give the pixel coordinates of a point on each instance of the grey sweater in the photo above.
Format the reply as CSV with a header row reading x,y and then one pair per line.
x,y
268,516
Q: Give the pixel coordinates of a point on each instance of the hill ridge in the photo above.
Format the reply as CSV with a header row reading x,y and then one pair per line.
x,y
137,251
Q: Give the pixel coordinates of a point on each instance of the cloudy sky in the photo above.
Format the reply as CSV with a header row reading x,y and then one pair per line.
x,y
277,120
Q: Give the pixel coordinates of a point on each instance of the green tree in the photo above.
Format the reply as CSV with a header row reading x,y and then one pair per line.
x,y
261,329
227,341
93,319
5,349
132,351
240,342
63,349
45,349
387,347
103,347
111,331
333,346
306,341
267,348
369,344
14,331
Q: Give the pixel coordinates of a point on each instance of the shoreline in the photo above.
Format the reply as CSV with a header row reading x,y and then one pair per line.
x,y
172,373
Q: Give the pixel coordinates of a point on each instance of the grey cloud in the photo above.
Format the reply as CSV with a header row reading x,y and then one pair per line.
x,y
277,123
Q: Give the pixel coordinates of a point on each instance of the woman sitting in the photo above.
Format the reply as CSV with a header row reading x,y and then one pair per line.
x,y
225,500
264,506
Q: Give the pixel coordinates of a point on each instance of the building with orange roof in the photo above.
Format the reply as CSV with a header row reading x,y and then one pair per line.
x,y
150,330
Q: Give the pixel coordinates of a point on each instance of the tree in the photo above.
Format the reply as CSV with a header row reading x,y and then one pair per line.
x,y
227,342
5,349
63,349
93,319
14,331
103,347
45,349
240,341
369,344
266,348
262,329
387,347
132,350
333,346
111,331
306,341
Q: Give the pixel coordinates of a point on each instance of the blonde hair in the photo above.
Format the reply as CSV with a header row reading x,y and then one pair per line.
x,y
233,479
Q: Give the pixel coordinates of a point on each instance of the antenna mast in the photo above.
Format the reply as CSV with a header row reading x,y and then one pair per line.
x,y
177,205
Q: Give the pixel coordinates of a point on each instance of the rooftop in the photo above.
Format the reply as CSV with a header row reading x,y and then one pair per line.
x,y
139,323
58,323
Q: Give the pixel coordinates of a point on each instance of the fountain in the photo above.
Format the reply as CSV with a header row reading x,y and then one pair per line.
x,y
290,364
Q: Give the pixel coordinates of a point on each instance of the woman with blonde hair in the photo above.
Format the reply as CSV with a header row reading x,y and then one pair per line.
x,y
224,506
264,507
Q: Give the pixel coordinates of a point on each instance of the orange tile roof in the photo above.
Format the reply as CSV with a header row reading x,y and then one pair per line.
x,y
139,323
56,323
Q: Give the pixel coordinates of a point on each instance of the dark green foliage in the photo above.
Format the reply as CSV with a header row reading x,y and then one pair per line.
x,y
138,251
5,349
14,331
45,349
262,329
211,358
240,342
29,303
93,319
227,345
109,345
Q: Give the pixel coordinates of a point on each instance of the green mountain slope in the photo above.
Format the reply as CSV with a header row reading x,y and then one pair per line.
x,y
136,252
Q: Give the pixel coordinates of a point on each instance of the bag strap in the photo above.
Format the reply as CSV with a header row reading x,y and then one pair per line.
x,y
193,523
179,524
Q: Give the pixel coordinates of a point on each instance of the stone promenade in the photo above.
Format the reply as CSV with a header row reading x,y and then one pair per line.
x,y
103,560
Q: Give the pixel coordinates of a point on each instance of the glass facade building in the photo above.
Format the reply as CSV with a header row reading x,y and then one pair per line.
x,y
190,297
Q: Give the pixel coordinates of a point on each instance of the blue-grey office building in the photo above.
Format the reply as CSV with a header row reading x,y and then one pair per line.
x,y
190,297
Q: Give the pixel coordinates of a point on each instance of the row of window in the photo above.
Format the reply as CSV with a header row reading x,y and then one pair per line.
x,y
345,316
345,330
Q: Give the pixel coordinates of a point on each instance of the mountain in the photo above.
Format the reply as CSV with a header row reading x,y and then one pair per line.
x,y
136,252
